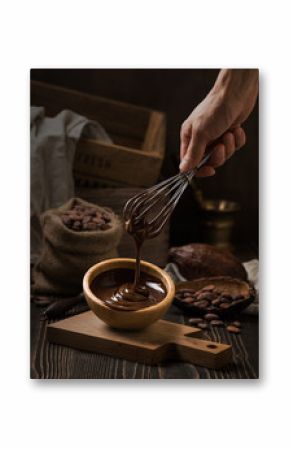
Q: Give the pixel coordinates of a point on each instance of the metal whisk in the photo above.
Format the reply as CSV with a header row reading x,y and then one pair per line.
x,y
147,212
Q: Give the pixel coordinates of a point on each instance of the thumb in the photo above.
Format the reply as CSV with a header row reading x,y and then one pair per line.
x,y
194,153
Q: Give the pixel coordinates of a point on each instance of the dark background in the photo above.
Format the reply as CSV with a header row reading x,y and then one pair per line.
x,y
177,92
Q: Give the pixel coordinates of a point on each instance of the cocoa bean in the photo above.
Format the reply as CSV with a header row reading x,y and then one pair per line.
x,y
210,308
216,323
76,226
66,220
188,300
187,294
225,300
195,320
106,218
91,211
186,290
204,296
236,324
224,305
86,219
202,325
201,304
233,329
91,226
216,302
97,220
211,316
208,288
238,297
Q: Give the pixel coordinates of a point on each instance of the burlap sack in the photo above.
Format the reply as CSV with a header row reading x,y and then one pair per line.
x,y
66,254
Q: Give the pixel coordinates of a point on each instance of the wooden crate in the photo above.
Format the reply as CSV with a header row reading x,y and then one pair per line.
x,y
138,133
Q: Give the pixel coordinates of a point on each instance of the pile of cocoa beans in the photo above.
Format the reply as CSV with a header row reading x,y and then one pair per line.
x,y
209,298
211,302
83,218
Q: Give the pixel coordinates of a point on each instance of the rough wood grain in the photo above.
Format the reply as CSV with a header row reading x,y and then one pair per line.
x,y
49,361
157,343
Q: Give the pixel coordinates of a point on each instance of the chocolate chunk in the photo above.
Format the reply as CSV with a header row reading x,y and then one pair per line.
x,y
233,329
211,316
216,323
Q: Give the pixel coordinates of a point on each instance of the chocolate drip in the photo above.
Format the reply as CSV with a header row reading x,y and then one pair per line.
x,y
133,296
138,294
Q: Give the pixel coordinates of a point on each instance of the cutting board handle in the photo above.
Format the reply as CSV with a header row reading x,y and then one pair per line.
x,y
200,352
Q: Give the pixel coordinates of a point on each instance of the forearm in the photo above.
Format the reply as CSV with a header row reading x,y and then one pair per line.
x,y
233,82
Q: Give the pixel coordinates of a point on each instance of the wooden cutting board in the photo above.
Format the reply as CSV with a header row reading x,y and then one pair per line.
x,y
159,342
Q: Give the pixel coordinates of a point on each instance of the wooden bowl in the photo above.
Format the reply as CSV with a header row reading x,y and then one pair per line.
x,y
128,319
225,283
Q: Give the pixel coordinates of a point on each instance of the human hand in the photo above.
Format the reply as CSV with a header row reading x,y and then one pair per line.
x,y
216,121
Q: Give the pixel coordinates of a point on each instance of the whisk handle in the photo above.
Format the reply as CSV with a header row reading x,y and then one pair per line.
x,y
204,160
193,172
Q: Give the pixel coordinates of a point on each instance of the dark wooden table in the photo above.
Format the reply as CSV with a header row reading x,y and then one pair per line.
x,y
49,361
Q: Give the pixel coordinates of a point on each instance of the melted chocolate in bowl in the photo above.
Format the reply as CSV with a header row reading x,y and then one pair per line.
x,y
125,289
118,290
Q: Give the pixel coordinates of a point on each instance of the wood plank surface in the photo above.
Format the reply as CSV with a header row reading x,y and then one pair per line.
x,y
49,361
